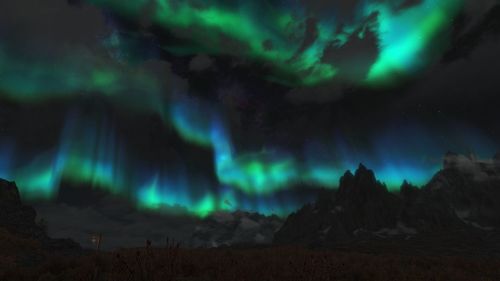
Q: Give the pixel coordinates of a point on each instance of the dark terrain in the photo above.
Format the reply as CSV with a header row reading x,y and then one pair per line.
x,y
454,214
446,230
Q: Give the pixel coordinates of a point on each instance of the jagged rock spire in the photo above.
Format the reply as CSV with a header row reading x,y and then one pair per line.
x,y
496,159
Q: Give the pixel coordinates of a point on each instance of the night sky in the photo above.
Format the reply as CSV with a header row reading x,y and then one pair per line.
x,y
185,108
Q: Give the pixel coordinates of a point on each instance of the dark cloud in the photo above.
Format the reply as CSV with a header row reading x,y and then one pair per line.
x,y
410,3
477,8
50,24
469,69
200,63
356,56
467,74
342,9
472,31
465,82
460,92
310,36
346,10
328,92
164,73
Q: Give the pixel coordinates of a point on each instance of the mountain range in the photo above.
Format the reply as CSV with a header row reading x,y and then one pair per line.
x,y
456,210
235,229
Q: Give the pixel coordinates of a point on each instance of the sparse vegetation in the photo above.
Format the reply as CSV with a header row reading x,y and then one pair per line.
x,y
42,223
284,263
11,244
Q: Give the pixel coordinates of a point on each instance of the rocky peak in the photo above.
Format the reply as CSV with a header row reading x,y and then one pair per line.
x,y
19,219
407,186
360,187
347,179
361,202
409,192
15,216
325,199
362,170
496,159
9,193
363,209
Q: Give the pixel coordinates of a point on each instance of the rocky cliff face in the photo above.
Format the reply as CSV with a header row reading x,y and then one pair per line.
x,y
464,196
19,220
361,204
455,200
15,216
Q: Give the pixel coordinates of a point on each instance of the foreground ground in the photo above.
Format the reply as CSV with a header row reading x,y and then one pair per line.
x,y
265,264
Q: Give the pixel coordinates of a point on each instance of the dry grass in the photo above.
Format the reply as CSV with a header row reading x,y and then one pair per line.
x,y
268,264
15,250
11,244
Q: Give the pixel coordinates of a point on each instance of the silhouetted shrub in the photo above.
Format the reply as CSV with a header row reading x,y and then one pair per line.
x,y
173,263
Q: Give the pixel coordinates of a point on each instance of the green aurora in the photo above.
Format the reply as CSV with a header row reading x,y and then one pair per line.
x,y
275,35
407,40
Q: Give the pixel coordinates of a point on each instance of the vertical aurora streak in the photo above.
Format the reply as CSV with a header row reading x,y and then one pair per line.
x,y
97,157
91,152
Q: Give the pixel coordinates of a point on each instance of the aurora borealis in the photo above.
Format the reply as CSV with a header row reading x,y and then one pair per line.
x,y
370,45
275,33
